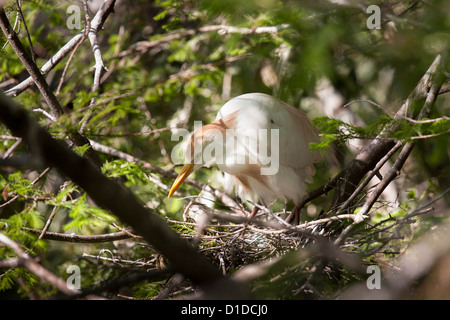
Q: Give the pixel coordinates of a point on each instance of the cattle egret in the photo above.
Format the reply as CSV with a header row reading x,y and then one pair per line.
x,y
262,146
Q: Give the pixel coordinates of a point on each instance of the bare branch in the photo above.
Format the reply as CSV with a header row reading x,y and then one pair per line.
x,y
92,34
94,27
29,263
349,178
436,83
19,10
40,81
66,67
12,148
80,238
221,29
97,23
31,67
48,66
366,180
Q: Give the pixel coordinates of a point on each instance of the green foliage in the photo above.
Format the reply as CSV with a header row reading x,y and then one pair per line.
x,y
333,130
132,172
85,216
147,290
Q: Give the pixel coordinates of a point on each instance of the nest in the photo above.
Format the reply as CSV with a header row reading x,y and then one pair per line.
x,y
229,241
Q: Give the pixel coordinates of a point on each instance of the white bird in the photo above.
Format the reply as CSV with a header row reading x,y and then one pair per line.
x,y
262,146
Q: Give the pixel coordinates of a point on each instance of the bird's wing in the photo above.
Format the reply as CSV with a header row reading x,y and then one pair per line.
x,y
296,132
294,127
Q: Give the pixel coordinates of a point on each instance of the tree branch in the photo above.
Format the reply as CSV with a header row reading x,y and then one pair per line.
x,y
80,238
66,67
95,26
348,179
31,67
371,158
19,10
369,177
40,81
48,66
23,259
229,202
109,194
97,23
435,81
221,29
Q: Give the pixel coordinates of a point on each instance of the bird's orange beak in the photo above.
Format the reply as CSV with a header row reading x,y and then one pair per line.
x,y
185,172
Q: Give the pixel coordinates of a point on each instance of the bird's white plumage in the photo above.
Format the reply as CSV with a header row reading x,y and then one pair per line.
x,y
256,111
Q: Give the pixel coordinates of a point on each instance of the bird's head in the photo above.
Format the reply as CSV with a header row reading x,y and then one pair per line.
x,y
204,147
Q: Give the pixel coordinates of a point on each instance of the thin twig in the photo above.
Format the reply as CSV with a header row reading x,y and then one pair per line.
x,y
224,29
39,177
41,83
92,35
29,64
12,148
428,136
45,113
66,67
274,216
379,106
395,170
99,19
76,238
47,67
369,177
398,116
30,263
166,173
53,213
98,67
19,10
135,134
16,25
